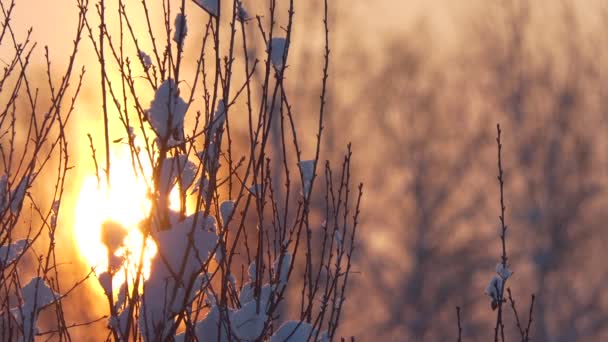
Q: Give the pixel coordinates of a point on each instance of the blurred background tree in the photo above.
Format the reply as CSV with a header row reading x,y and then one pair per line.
x,y
418,87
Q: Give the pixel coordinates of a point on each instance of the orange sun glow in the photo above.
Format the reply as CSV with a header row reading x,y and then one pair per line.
x,y
125,202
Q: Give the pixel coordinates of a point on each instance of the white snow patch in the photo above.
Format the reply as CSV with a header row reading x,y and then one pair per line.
x,y
145,60
256,190
167,104
10,253
493,290
307,167
19,194
278,51
173,244
211,6
181,29
503,272
105,280
174,170
226,210
241,13
36,295
252,271
295,331
282,270
112,235
3,193
219,118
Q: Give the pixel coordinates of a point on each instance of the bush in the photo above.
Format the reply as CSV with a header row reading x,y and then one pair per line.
x,y
241,253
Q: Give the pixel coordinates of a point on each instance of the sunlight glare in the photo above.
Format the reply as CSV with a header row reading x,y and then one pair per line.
x,y
126,202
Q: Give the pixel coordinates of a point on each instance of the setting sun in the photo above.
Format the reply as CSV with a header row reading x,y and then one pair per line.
x,y
126,203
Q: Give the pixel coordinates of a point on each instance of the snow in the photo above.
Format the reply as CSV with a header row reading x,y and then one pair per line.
x,y
172,142
35,295
55,207
226,210
503,271
122,295
105,280
338,238
3,193
214,132
278,51
201,185
145,60
175,169
282,270
120,323
219,254
200,282
219,118
241,13
246,294
256,190
19,194
493,290
112,235
252,271
211,6
173,245
248,322
181,29
10,253
294,331
115,262
167,103
208,328
307,167
232,280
